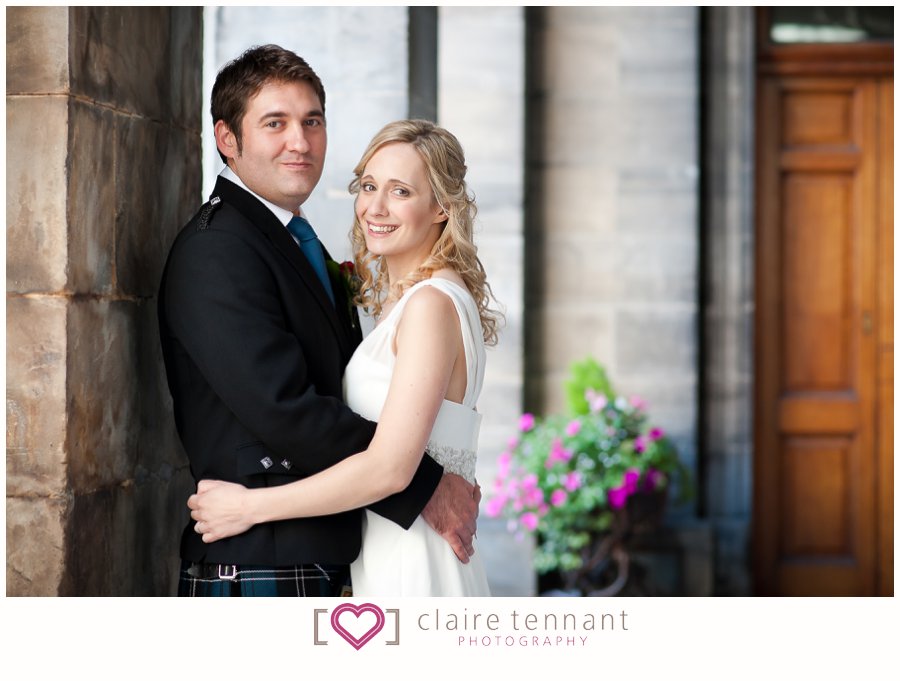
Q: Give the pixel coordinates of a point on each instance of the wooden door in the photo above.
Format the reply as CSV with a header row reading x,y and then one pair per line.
x,y
823,478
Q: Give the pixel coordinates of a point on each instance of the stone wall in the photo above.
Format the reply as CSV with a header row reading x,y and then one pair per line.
x,y
615,175
103,166
612,242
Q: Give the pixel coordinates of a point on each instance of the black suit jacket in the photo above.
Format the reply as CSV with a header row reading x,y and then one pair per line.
x,y
255,354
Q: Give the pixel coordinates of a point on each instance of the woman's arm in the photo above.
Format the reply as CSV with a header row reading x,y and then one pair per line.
x,y
428,344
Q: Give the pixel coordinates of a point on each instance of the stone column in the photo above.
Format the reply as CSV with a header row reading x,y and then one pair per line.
x,y
611,235
481,88
618,171
103,166
728,235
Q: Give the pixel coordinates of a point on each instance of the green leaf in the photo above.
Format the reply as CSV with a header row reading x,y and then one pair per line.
x,y
585,374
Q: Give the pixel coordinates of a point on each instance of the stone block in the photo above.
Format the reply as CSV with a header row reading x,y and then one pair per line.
x,y
573,332
730,476
182,74
507,560
654,212
103,429
352,28
581,60
563,18
579,132
139,59
35,396
697,544
655,132
470,64
580,268
655,270
92,207
669,72
37,52
158,518
36,206
732,557
35,545
147,519
158,448
500,405
656,340
581,199
151,207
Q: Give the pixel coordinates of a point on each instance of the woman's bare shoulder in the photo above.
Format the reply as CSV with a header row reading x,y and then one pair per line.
x,y
450,274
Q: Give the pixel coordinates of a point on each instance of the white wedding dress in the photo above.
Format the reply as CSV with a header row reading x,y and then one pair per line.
x,y
418,561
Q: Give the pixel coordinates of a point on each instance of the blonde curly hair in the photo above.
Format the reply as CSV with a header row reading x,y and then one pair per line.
x,y
455,248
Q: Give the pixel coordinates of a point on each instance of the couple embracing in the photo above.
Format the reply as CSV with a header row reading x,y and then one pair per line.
x,y
326,464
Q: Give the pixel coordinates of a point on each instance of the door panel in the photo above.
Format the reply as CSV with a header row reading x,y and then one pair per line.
x,y
822,493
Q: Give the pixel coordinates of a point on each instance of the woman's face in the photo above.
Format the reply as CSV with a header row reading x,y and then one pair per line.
x,y
396,208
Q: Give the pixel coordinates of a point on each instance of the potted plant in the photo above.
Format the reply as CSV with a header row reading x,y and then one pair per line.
x,y
582,481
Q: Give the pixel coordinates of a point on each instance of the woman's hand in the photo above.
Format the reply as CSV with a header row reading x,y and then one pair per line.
x,y
221,509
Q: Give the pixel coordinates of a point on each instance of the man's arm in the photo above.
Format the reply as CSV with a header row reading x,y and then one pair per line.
x,y
223,305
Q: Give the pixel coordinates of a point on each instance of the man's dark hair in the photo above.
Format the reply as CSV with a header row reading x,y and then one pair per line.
x,y
242,78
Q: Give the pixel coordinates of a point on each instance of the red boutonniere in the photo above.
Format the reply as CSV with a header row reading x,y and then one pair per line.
x,y
345,272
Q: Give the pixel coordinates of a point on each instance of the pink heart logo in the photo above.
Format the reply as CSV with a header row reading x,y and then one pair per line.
x,y
357,610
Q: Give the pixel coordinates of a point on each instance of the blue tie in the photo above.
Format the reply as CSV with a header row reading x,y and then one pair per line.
x,y
312,249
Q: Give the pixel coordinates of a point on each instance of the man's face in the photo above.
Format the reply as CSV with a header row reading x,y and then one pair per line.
x,y
283,143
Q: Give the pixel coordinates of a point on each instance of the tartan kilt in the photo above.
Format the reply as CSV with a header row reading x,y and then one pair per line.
x,y
204,579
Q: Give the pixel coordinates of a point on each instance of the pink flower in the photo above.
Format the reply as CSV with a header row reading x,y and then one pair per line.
x,y
640,444
637,402
630,480
534,497
653,480
557,453
596,401
573,428
494,507
529,521
542,510
617,497
572,481
656,433
559,497
526,422
503,463
529,482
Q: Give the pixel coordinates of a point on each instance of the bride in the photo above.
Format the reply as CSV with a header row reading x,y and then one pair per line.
x,y
418,373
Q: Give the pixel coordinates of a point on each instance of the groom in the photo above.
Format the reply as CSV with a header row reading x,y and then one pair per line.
x,y
255,337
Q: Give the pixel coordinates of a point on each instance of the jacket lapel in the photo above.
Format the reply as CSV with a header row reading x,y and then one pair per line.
x,y
263,219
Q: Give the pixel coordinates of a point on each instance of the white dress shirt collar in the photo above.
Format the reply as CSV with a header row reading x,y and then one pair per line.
x,y
284,216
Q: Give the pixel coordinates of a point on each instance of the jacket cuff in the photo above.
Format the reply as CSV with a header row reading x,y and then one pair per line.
x,y
404,507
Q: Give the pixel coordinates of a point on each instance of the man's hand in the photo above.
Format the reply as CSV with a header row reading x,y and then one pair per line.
x,y
452,511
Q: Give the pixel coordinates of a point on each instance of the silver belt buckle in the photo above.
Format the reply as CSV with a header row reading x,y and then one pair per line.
x,y
225,574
